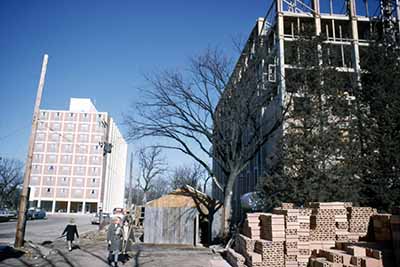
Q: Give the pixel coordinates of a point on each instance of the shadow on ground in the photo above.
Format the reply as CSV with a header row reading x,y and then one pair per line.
x,y
7,252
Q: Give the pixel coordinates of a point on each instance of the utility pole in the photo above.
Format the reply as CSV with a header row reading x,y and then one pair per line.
x,y
23,200
130,183
107,147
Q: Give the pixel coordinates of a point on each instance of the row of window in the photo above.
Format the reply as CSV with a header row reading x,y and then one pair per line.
x,y
65,192
69,116
67,159
71,127
68,148
66,170
64,181
68,137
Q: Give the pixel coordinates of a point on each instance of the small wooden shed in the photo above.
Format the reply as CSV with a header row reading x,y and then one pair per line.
x,y
172,219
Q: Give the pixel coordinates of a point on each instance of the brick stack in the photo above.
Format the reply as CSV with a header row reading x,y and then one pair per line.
x,y
251,226
341,223
272,227
272,252
359,218
395,225
289,236
297,251
304,237
348,255
244,245
322,222
381,226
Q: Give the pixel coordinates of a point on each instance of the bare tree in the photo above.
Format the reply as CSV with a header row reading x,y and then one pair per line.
x,y
10,181
193,175
152,166
203,107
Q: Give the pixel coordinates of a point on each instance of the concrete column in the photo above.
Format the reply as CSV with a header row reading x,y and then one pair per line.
x,y
317,17
281,53
83,207
53,207
355,42
317,20
39,202
68,206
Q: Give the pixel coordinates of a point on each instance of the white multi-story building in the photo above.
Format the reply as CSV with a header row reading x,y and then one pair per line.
x,y
69,170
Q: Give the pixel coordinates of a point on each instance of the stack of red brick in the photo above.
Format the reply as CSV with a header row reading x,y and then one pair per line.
x,y
359,218
251,226
297,234
288,236
346,255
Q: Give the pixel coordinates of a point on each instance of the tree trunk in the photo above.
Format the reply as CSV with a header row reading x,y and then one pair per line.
x,y
227,208
209,226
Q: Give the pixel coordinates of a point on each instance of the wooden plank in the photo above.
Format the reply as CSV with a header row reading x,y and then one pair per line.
x,y
170,225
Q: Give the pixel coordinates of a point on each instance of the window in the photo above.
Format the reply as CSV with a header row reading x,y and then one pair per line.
x,y
92,192
94,180
82,149
52,158
40,136
56,126
84,127
64,179
69,127
52,147
83,137
51,168
57,116
48,190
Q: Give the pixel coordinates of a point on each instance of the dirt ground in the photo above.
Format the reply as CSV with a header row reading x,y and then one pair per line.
x,y
94,253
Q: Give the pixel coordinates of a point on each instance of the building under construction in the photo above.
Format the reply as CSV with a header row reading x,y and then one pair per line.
x,y
346,26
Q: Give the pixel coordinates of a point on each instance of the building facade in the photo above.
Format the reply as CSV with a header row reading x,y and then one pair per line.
x,y
70,170
267,58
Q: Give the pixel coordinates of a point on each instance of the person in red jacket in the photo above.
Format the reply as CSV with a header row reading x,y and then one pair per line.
x,y
70,231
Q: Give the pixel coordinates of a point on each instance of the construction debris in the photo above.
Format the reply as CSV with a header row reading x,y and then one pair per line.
x,y
321,234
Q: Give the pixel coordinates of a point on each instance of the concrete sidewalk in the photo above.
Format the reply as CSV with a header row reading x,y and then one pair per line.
x,y
94,254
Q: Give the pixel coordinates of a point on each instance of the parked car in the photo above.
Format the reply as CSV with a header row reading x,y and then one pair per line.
x,y
96,218
5,216
36,213
13,214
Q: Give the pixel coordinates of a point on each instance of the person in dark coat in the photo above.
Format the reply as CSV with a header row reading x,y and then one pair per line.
x,y
114,236
70,231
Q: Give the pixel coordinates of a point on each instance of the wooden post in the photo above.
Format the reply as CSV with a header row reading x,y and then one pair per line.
x,y
23,200
130,183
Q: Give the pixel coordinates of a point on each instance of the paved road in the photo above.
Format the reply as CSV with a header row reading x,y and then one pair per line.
x,y
43,230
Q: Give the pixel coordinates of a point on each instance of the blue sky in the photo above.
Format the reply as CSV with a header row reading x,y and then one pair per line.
x,y
101,49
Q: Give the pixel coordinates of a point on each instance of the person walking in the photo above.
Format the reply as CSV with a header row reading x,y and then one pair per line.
x,y
70,231
126,232
114,235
